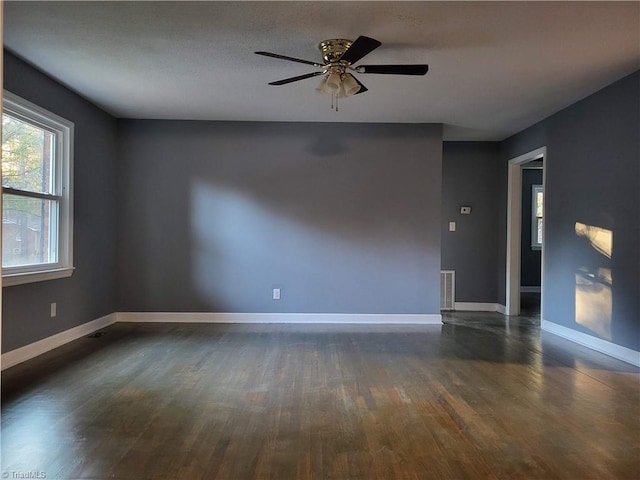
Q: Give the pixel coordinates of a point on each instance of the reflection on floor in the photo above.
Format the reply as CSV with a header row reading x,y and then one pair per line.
x,y
530,303
481,396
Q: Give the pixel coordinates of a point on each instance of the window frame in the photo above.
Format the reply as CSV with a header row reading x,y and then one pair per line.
x,y
63,129
535,189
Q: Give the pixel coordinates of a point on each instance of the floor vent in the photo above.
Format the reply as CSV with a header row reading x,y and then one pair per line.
x,y
96,335
447,289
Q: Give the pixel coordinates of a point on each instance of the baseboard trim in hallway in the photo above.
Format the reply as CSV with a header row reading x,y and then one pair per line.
x,y
206,317
603,346
479,307
19,355
32,350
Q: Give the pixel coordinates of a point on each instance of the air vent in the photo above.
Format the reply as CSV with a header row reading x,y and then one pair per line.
x,y
447,289
96,335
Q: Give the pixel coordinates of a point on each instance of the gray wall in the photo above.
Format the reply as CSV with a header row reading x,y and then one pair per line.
x,y
344,218
530,259
593,177
470,173
90,292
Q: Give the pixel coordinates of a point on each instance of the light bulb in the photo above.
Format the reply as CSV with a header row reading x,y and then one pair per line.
x,y
341,93
349,85
333,83
322,87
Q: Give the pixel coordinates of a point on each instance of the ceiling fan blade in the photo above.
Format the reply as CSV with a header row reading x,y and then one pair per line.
x,y
362,87
295,79
291,59
358,49
394,69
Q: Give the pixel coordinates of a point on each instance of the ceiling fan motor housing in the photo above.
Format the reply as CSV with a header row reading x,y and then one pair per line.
x,y
333,49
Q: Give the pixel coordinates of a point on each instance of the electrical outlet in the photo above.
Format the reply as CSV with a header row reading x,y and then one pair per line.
x,y
276,294
452,226
54,309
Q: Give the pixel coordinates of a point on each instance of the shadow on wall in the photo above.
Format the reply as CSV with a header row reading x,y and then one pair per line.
x,y
326,146
336,234
340,218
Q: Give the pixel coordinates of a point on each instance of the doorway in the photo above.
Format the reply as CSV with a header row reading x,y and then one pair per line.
x,y
531,238
514,229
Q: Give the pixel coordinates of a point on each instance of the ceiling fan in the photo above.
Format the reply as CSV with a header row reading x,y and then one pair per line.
x,y
339,55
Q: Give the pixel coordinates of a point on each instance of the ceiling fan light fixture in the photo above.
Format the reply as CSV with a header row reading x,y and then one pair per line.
x,y
340,56
322,86
349,85
333,83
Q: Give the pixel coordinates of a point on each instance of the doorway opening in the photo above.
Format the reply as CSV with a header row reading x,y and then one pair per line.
x,y
522,298
531,237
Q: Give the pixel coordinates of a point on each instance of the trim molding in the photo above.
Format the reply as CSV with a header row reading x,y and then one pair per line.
x,y
206,317
514,224
479,307
603,346
11,279
34,349
22,354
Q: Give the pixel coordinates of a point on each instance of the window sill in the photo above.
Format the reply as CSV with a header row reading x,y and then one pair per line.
x,y
11,279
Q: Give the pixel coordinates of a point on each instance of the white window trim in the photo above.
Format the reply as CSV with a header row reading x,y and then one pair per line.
x,y
64,129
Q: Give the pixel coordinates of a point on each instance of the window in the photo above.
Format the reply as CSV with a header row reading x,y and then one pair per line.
x,y
537,203
37,197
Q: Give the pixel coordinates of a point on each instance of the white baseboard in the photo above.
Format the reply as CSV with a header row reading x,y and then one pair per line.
x,y
205,317
603,346
479,307
34,349
530,289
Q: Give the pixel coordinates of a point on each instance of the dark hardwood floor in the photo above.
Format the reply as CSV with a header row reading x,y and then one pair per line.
x,y
530,303
476,398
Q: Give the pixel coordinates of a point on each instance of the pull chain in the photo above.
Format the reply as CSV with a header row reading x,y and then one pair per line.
x,y
334,102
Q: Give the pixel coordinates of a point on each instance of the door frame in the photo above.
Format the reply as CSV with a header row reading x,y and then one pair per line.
x,y
514,227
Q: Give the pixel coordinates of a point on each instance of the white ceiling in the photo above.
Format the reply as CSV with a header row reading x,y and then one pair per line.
x,y
495,67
